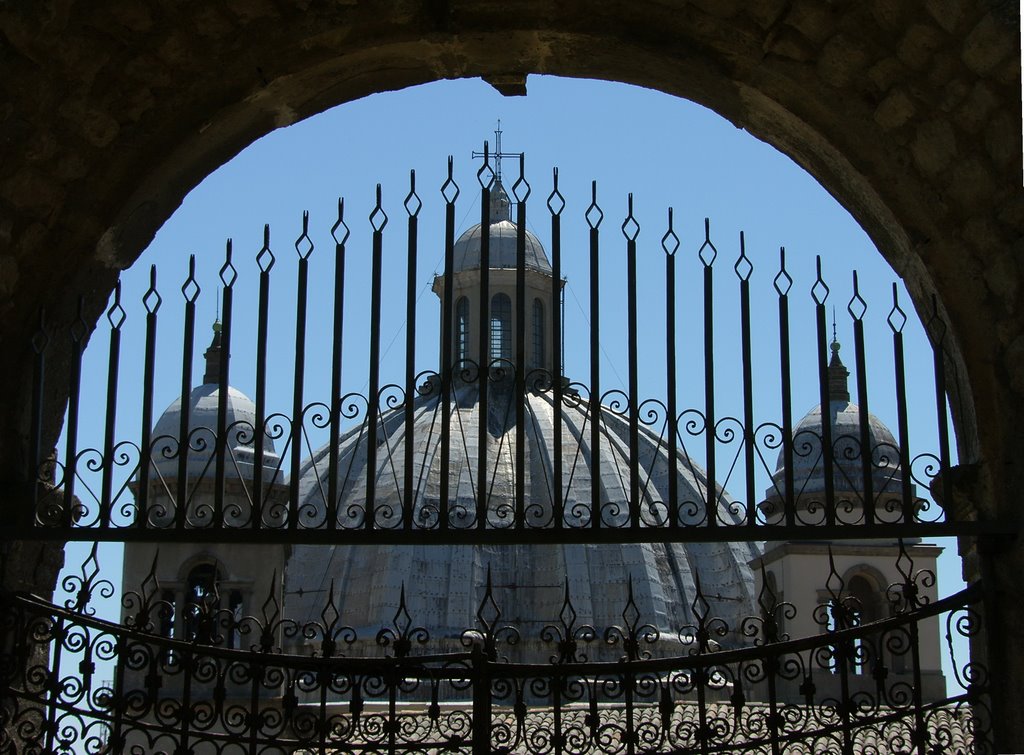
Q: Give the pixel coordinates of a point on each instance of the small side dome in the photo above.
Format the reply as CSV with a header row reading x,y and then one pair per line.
x,y
240,421
844,423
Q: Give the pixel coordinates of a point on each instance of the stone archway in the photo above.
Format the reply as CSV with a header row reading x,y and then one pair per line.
x,y
907,113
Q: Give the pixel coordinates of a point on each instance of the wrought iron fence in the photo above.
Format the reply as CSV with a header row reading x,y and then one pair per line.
x,y
148,488
854,687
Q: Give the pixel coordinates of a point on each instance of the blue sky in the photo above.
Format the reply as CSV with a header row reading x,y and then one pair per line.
x,y
666,151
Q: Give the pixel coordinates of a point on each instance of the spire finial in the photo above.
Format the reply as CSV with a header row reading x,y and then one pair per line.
x,y
838,388
501,206
213,355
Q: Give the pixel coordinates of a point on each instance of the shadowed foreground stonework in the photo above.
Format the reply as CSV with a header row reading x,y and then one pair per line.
x,y
907,112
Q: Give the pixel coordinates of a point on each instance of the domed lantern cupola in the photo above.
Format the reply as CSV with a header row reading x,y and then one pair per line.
x,y
503,257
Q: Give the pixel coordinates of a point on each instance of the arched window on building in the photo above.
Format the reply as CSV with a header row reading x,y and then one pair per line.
x,y
538,333
868,601
501,327
462,329
201,603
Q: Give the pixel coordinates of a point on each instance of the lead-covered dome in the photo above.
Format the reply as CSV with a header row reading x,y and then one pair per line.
x,y
445,584
203,409
503,241
844,424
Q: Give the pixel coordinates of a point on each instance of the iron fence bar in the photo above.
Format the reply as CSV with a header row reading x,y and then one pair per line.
x,y
902,423
844,656
39,344
190,291
304,248
78,330
410,353
340,233
481,699
115,316
825,398
771,666
938,349
857,309
265,260
670,243
919,725
520,368
117,727
484,339
227,275
377,220
557,368
254,701
152,302
187,662
709,377
53,684
595,361
450,192
782,284
744,272
630,231
556,704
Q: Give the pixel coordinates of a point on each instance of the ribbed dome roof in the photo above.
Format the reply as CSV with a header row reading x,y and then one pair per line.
x,y
503,241
203,403
528,580
844,423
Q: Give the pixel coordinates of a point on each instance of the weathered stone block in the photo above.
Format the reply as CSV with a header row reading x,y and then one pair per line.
x,y
918,44
813,20
843,59
970,183
946,13
974,111
895,110
1003,140
886,72
986,45
934,146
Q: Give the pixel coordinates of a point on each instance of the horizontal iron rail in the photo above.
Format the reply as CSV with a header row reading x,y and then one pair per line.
x,y
510,535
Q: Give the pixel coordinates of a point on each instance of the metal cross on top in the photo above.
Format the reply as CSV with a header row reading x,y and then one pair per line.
x,y
497,154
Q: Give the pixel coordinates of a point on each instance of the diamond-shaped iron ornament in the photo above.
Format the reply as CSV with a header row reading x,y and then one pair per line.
x,y
265,258
190,289
820,289
521,188
783,281
152,300
857,306
378,218
79,328
707,253
412,202
630,226
449,189
40,339
485,176
594,214
304,244
228,273
743,267
116,314
340,225
556,202
670,241
897,318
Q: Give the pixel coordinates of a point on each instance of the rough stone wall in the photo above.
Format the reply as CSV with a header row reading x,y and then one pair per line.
x,y
908,112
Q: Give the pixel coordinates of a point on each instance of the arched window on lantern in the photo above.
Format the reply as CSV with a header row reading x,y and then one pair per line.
x,y
538,333
501,327
462,329
201,603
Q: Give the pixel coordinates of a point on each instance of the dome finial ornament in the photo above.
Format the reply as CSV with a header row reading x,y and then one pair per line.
x,y
501,206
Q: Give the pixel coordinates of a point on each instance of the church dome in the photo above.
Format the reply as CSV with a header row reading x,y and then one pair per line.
x,y
844,423
203,401
503,241
528,580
